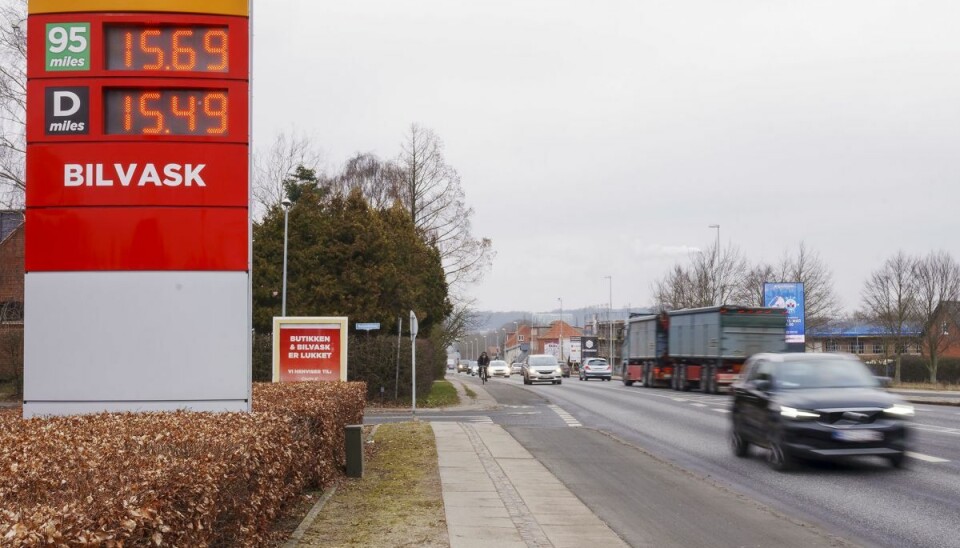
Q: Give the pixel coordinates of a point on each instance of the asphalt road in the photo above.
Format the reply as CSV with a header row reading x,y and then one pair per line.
x,y
684,436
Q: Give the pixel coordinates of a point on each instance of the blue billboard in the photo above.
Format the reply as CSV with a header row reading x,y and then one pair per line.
x,y
789,296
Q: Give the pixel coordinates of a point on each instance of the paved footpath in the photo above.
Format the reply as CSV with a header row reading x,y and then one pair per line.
x,y
495,493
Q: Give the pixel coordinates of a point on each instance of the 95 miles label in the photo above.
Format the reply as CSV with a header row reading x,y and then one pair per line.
x,y
68,46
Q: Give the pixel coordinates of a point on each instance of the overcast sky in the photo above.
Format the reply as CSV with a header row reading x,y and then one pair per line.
x,y
602,137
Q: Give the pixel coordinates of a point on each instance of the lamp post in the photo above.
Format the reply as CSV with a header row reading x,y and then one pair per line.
x,y
286,203
503,346
716,254
561,328
610,317
516,335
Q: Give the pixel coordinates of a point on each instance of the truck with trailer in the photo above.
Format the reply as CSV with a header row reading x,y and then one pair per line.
x,y
701,347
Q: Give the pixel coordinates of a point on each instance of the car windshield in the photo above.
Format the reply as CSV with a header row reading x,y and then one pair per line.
x,y
796,374
498,363
543,360
597,362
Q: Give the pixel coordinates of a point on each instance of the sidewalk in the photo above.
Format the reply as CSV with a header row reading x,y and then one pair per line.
x,y
495,493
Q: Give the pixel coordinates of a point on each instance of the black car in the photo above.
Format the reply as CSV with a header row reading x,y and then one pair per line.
x,y
816,406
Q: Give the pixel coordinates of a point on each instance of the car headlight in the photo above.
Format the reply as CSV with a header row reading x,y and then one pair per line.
x,y
558,371
900,410
792,413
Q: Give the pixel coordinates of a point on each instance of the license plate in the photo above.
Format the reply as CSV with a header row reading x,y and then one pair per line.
x,y
858,435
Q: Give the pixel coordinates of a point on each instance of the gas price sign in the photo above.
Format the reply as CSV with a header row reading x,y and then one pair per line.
x,y
171,48
166,111
138,156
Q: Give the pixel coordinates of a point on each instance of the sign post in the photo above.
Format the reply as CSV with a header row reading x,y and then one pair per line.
x,y
414,327
137,250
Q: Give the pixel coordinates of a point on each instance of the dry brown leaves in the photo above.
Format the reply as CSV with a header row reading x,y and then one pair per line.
x,y
171,479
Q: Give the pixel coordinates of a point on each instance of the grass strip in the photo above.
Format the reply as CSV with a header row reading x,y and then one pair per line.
x,y
398,502
442,394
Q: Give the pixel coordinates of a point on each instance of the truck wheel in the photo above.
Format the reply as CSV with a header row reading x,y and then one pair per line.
x,y
627,383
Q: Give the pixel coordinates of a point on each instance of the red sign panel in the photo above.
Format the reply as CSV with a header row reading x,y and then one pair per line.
x,y
163,174
142,45
309,354
135,238
138,142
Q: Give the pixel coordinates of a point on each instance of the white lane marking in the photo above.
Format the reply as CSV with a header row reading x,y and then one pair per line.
x,y
927,458
720,410
565,417
677,399
482,420
698,404
937,429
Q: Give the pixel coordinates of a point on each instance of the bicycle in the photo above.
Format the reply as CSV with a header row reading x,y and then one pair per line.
x,y
483,375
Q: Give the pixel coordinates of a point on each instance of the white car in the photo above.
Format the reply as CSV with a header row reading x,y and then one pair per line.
x,y
516,368
498,368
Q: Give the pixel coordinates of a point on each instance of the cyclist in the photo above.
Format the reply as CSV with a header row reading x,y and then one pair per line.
x,y
482,362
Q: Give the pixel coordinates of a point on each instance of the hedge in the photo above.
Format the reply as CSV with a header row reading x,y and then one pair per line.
x,y
163,479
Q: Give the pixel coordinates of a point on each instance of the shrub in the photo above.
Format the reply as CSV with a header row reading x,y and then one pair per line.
x,y
187,479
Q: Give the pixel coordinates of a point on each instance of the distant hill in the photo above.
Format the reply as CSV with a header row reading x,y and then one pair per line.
x,y
487,320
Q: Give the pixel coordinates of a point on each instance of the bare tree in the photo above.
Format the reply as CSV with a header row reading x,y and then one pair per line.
x,y
13,103
890,300
380,182
712,278
760,274
937,281
433,195
275,166
808,268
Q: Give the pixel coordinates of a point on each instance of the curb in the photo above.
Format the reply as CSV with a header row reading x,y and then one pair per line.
x,y
297,535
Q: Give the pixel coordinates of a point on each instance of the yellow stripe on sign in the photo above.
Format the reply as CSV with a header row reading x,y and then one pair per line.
x,y
212,7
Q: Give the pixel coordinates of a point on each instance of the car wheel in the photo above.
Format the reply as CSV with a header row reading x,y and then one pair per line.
x,y
740,446
560,381
777,457
898,461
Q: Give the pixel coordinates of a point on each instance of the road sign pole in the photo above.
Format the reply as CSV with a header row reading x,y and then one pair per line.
x,y
413,359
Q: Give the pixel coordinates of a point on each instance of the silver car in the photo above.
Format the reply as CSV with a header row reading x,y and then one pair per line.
x,y
516,368
498,368
542,368
595,368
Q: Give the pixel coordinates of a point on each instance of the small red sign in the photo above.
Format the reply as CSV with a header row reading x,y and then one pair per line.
x,y
309,354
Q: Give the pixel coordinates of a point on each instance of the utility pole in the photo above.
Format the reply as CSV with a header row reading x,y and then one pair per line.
x,y
610,316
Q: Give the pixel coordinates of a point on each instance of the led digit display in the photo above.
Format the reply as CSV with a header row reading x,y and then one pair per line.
x,y
166,112
167,48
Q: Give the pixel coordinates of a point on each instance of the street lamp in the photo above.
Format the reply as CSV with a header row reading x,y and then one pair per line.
x,y
516,336
610,317
502,351
286,203
716,255
561,328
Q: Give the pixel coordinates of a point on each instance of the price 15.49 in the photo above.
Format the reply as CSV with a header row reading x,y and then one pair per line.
x,y
166,112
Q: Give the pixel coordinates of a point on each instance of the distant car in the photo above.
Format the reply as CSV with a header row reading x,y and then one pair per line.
x,y
474,368
463,366
595,368
816,406
542,368
516,368
498,368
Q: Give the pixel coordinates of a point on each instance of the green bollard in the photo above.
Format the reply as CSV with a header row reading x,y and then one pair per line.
x,y
353,439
